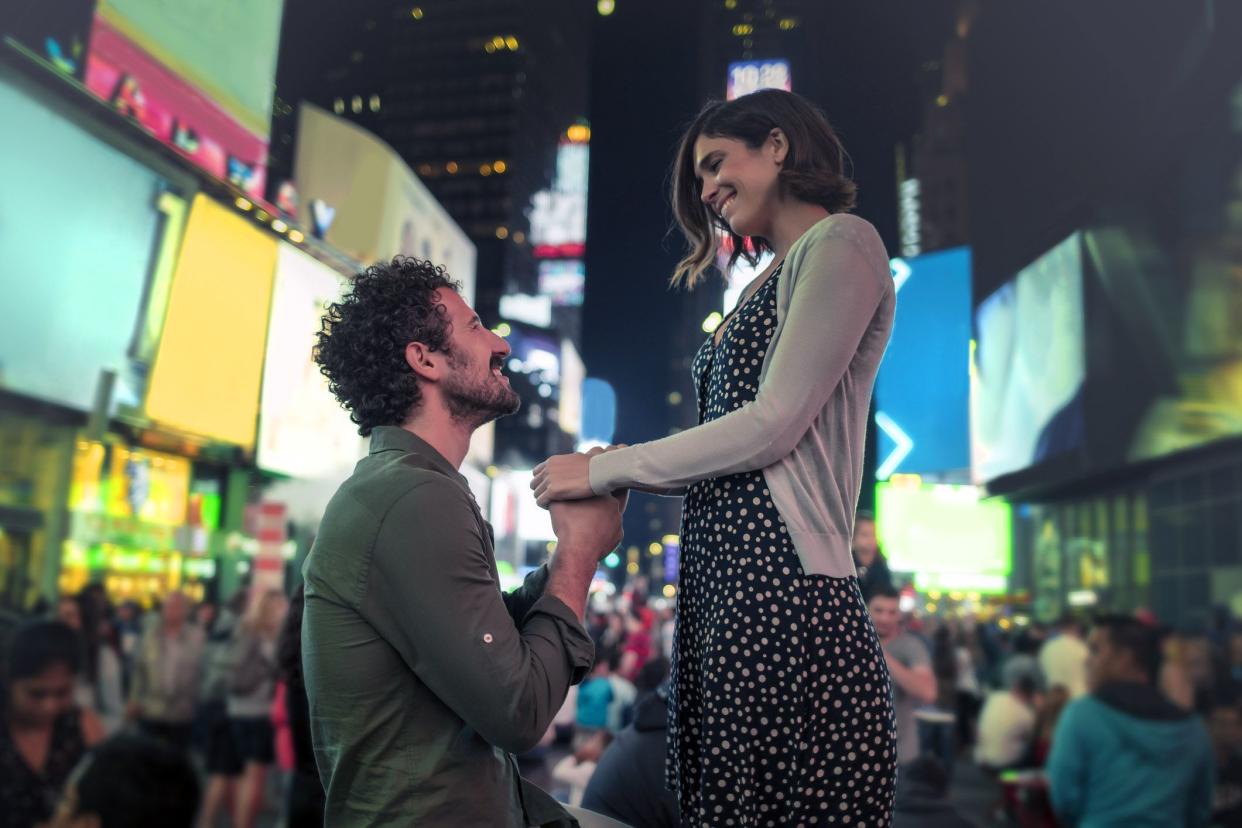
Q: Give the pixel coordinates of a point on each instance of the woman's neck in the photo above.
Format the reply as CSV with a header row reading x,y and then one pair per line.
x,y
791,220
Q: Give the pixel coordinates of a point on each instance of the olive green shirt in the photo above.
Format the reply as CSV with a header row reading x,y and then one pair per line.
x,y
422,675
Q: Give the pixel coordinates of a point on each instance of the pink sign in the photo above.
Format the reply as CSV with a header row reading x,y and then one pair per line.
x,y
174,111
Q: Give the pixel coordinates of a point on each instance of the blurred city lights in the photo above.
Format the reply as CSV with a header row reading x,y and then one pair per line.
x,y
606,7
243,203
670,591
712,322
612,561
503,329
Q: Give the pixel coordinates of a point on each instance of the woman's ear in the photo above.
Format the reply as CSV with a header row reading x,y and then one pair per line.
x,y
779,145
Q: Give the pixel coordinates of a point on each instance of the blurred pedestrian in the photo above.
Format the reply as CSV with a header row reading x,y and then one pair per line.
x,y
628,782
909,665
1063,658
1225,728
222,762
163,697
1007,725
43,733
637,647
869,561
938,731
100,685
1048,710
575,771
304,806
252,686
130,781
968,696
1125,754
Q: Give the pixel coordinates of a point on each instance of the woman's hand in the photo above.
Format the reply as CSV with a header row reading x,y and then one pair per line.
x,y
566,477
563,477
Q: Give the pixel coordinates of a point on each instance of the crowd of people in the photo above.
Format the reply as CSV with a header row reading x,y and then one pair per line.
x,y
100,703
185,710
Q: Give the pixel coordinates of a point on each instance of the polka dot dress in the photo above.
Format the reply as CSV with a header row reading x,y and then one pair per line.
x,y
780,707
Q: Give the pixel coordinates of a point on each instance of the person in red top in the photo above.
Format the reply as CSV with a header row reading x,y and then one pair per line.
x,y
637,648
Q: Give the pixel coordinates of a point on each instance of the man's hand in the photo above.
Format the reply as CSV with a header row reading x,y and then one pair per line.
x,y
586,531
593,524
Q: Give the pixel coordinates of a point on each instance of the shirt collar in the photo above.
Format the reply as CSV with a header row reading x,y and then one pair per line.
x,y
396,438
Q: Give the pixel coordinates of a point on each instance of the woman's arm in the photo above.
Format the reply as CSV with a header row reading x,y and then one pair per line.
x,y
839,290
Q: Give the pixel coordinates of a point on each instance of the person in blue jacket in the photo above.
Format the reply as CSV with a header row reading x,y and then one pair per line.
x,y
1124,755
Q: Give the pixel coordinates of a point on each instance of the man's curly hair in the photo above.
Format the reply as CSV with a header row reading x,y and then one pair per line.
x,y
362,340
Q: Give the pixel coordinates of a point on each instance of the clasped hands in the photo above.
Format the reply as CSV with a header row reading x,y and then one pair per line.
x,y
567,477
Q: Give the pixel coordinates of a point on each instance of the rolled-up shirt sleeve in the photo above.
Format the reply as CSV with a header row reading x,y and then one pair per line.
x,y
432,595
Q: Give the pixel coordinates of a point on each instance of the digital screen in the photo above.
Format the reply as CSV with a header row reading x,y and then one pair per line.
x,y
1166,268
514,511
1029,366
303,431
558,216
946,536
210,361
76,259
563,281
923,388
750,76
378,207
197,74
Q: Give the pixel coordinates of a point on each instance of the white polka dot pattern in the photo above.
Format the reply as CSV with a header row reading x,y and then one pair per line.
x,y
780,705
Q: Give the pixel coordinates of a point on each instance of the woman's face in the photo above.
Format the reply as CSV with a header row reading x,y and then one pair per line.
x,y
37,701
738,183
69,612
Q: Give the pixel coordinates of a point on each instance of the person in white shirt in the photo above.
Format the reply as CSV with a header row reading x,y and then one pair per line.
x,y
1063,659
1007,724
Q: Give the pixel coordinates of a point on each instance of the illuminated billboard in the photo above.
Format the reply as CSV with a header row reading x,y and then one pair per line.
x,y
207,371
1029,366
946,536
563,281
303,431
196,75
750,76
379,207
922,392
76,259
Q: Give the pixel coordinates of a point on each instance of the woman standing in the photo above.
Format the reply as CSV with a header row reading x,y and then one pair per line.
x,y
780,710
43,733
251,689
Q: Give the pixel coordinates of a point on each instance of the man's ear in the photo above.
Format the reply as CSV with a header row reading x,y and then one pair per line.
x,y
425,362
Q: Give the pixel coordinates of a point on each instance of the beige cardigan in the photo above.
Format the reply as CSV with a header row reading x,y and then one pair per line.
x,y
807,426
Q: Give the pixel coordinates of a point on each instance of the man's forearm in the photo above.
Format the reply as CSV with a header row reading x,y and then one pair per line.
x,y
912,681
569,577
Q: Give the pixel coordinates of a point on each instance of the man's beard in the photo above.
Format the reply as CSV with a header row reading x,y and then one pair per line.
x,y
473,401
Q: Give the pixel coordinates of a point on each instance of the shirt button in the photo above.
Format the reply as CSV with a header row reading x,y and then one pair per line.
x,y
487,638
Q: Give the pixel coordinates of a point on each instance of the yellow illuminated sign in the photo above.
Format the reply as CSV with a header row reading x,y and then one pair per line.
x,y
207,373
